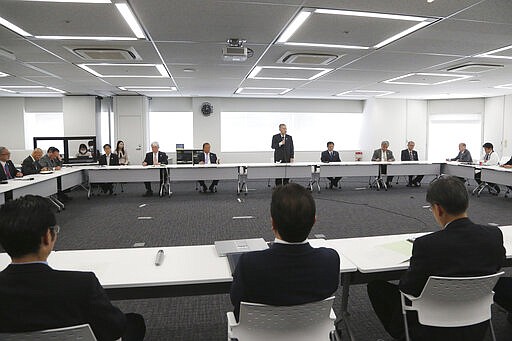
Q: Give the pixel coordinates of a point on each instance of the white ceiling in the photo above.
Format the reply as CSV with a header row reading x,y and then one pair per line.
x,y
187,37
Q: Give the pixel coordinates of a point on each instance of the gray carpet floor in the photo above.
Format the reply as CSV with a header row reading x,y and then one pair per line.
x,y
191,218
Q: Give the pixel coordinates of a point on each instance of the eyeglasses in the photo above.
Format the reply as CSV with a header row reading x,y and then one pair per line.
x,y
55,229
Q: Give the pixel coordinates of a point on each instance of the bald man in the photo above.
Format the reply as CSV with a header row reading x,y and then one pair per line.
x,y
31,164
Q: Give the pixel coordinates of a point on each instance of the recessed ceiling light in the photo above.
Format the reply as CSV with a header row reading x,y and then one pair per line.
x,y
85,38
189,70
262,91
127,14
453,78
305,13
147,88
14,28
321,71
492,54
160,67
504,86
7,88
3,74
365,93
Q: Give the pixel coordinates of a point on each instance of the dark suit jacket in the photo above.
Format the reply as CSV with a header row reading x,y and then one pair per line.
x,y
509,162
12,170
201,157
30,166
464,156
461,249
285,275
36,297
377,153
114,160
326,157
407,157
162,158
285,152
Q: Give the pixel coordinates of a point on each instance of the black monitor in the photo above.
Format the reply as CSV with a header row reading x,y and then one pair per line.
x,y
187,156
69,147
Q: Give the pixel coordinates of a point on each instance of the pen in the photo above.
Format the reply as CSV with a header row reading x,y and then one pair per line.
x,y
159,259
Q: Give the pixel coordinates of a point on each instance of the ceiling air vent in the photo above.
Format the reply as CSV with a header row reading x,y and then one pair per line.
x,y
473,68
105,53
308,58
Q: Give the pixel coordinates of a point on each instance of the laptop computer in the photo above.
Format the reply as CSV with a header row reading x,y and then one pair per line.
x,y
225,247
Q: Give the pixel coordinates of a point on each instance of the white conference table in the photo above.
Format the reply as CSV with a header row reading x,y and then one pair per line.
x,y
132,274
413,168
463,170
497,175
355,168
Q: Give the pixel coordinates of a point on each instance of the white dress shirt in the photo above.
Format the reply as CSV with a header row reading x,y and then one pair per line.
x,y
280,241
494,159
207,158
384,155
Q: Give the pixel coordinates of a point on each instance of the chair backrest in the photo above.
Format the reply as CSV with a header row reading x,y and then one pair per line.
x,y
455,301
81,332
309,321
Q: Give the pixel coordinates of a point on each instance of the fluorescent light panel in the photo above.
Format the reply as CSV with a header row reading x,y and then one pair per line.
x,y
159,67
85,38
7,88
303,15
76,1
491,54
365,93
14,28
147,88
258,69
279,91
504,86
3,74
128,15
454,78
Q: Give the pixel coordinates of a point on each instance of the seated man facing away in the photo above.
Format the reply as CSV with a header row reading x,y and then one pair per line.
x,y
36,297
291,271
460,249
207,158
31,164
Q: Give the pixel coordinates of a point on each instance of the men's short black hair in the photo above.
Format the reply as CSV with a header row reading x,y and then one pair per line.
x,y
450,193
53,150
107,145
293,211
488,145
24,221
204,144
330,142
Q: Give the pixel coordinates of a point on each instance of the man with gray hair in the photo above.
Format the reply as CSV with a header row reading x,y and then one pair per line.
x,y
7,169
31,164
384,155
154,158
410,154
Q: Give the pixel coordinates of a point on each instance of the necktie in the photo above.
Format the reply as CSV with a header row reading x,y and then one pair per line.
x,y
410,156
7,173
485,159
155,158
108,159
207,158
384,156
330,155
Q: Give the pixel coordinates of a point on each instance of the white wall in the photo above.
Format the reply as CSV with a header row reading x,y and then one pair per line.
x,y
12,134
79,115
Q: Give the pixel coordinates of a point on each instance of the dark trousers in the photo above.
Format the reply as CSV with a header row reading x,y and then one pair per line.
x,y
214,183
417,179
107,187
135,327
334,181
478,179
385,300
384,171
503,293
282,181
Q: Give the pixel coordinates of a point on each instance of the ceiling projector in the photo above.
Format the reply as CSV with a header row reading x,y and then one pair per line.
x,y
235,51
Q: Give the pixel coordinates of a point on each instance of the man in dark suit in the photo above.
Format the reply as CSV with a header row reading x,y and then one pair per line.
x,y
108,159
207,158
7,169
31,164
384,155
290,272
450,252
464,154
410,154
51,161
330,155
508,165
36,297
283,150
156,158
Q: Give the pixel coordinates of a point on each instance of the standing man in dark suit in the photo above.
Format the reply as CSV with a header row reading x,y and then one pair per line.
x,y
283,150
460,249
108,159
464,154
410,154
290,272
36,297
330,155
207,158
155,158
31,164
384,155
7,169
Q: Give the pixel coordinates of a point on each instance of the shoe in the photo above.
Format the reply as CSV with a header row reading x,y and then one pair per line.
x,y
388,185
148,194
417,184
408,185
205,189
331,186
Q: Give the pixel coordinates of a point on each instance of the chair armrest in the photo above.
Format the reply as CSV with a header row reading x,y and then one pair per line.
x,y
334,335
332,315
231,319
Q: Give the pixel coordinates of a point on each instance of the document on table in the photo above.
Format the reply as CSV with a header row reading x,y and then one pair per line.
x,y
400,250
